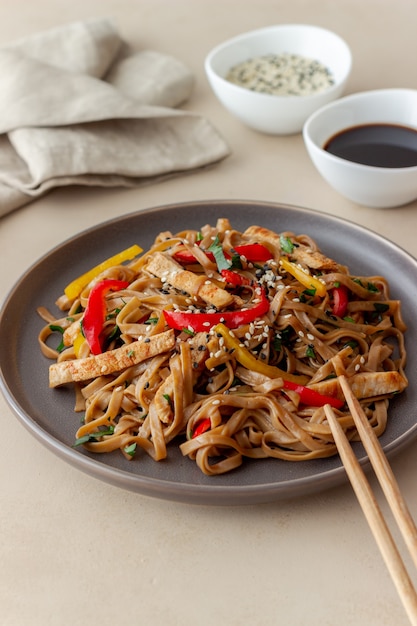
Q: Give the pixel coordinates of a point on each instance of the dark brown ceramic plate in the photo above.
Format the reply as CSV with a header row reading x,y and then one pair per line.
x,y
48,414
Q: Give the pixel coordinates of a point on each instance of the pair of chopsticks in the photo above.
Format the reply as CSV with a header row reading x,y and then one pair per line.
x,y
368,501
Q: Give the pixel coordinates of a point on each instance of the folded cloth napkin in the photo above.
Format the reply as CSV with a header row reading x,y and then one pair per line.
x,y
77,107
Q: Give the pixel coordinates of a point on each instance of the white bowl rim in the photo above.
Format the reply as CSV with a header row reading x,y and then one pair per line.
x,y
360,95
270,28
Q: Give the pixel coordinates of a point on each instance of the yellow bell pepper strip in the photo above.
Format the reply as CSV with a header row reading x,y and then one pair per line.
x,y
202,322
78,342
308,281
292,382
76,286
248,360
95,311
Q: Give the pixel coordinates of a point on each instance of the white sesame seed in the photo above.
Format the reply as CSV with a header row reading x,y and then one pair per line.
x,y
357,367
310,336
218,354
206,323
216,402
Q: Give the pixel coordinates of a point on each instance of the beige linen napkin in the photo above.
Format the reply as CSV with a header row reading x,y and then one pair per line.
x,y
76,107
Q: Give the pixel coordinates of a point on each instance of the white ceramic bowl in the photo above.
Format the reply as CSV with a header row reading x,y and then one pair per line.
x,y
281,115
379,187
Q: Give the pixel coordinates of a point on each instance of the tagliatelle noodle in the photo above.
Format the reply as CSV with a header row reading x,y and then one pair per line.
x,y
160,401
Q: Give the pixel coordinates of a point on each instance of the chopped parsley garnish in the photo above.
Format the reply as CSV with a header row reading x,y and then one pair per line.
x,y
130,450
310,352
93,436
381,307
286,244
58,329
217,250
152,320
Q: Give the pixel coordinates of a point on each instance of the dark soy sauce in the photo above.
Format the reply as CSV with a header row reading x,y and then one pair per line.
x,y
380,145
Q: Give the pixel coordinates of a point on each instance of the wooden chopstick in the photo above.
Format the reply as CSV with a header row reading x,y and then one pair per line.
x,y
382,470
368,501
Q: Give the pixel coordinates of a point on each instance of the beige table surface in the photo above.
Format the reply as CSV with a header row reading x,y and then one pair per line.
x,y
76,551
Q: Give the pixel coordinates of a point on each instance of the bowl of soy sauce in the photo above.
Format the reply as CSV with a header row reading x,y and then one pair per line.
x,y
365,146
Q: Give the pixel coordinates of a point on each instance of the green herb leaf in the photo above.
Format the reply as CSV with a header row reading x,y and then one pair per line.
x,y
310,352
217,250
93,436
310,292
130,450
381,307
58,329
351,344
236,262
152,320
286,244
168,399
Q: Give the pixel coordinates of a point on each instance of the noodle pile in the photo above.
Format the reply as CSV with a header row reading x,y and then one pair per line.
x,y
208,389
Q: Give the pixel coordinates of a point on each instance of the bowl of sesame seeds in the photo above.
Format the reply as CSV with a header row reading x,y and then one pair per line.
x,y
272,79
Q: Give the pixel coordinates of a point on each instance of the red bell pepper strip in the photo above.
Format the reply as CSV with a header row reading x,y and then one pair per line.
x,y
187,258
311,397
95,311
202,322
254,252
234,278
340,297
203,426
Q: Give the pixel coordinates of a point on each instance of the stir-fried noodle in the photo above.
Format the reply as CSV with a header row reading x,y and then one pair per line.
x,y
229,343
